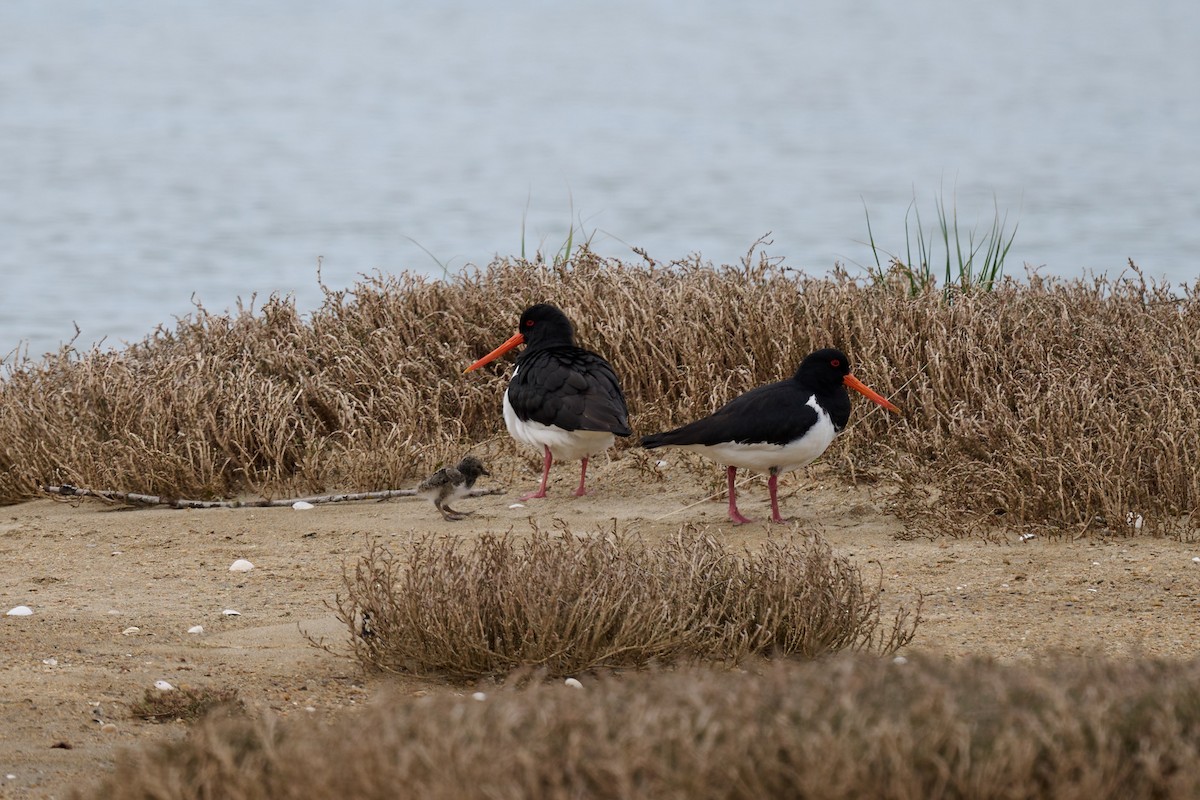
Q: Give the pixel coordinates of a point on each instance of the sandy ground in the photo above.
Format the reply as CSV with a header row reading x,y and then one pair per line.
x,y
92,574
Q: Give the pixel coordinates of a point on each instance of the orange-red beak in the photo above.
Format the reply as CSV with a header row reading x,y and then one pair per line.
x,y
515,340
860,387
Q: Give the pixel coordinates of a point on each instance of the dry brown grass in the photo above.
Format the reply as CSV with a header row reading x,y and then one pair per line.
x,y
184,703
847,727
1065,405
568,604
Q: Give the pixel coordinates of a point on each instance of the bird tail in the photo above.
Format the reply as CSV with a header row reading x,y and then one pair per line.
x,y
654,440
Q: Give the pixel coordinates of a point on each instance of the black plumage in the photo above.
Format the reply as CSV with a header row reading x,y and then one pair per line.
x,y
777,427
563,398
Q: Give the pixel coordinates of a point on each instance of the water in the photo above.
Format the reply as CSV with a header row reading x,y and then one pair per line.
x,y
156,151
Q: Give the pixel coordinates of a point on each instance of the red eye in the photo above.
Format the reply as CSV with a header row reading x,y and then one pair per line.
x,y
528,323
833,362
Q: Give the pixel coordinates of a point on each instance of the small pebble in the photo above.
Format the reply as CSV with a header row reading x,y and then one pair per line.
x,y
19,611
108,727
479,696
302,505
574,684
900,660
130,631
661,465
196,629
163,686
50,662
241,565
10,777
517,505
229,612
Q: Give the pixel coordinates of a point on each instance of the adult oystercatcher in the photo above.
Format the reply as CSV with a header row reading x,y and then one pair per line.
x,y
561,397
778,427
451,483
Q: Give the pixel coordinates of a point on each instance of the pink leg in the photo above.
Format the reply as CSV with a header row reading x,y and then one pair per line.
x,y
734,514
773,485
580,492
541,492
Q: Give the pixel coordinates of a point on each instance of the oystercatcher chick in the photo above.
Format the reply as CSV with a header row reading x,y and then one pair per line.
x,y
778,427
452,483
561,398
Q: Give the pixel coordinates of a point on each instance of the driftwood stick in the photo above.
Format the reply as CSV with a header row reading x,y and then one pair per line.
x,y
134,499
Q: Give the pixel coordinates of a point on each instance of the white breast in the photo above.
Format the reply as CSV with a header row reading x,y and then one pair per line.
x,y
564,445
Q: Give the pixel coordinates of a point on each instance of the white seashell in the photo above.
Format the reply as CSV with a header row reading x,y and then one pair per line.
x,y
163,686
1196,559
901,660
302,505
130,631
479,696
241,565
50,662
1025,537
229,612
661,465
574,684
196,629
517,505
19,611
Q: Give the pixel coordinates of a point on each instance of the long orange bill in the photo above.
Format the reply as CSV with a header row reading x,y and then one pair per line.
x,y
515,340
860,387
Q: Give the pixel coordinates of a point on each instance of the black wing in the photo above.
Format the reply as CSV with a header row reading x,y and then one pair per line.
x,y
777,413
569,387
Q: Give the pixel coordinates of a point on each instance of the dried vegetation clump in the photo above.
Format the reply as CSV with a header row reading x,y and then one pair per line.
x,y
845,727
1060,404
184,703
567,604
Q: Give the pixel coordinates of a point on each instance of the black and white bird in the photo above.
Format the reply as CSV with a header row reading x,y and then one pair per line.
x,y
562,399
777,427
452,483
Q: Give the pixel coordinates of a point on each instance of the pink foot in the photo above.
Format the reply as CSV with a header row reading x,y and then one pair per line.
x,y
772,485
734,515
541,491
581,491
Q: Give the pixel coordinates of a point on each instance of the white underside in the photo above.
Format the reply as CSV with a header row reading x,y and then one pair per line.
x,y
564,445
784,457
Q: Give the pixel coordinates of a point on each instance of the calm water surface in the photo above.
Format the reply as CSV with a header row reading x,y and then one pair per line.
x,y
152,151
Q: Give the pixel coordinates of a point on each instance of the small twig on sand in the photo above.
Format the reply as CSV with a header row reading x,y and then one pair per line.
x,y
133,499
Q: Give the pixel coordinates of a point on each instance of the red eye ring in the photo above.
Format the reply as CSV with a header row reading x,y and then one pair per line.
x,y
528,323
833,362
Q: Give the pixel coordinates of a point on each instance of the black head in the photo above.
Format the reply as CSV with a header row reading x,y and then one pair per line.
x,y
824,370
828,370
471,468
545,324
